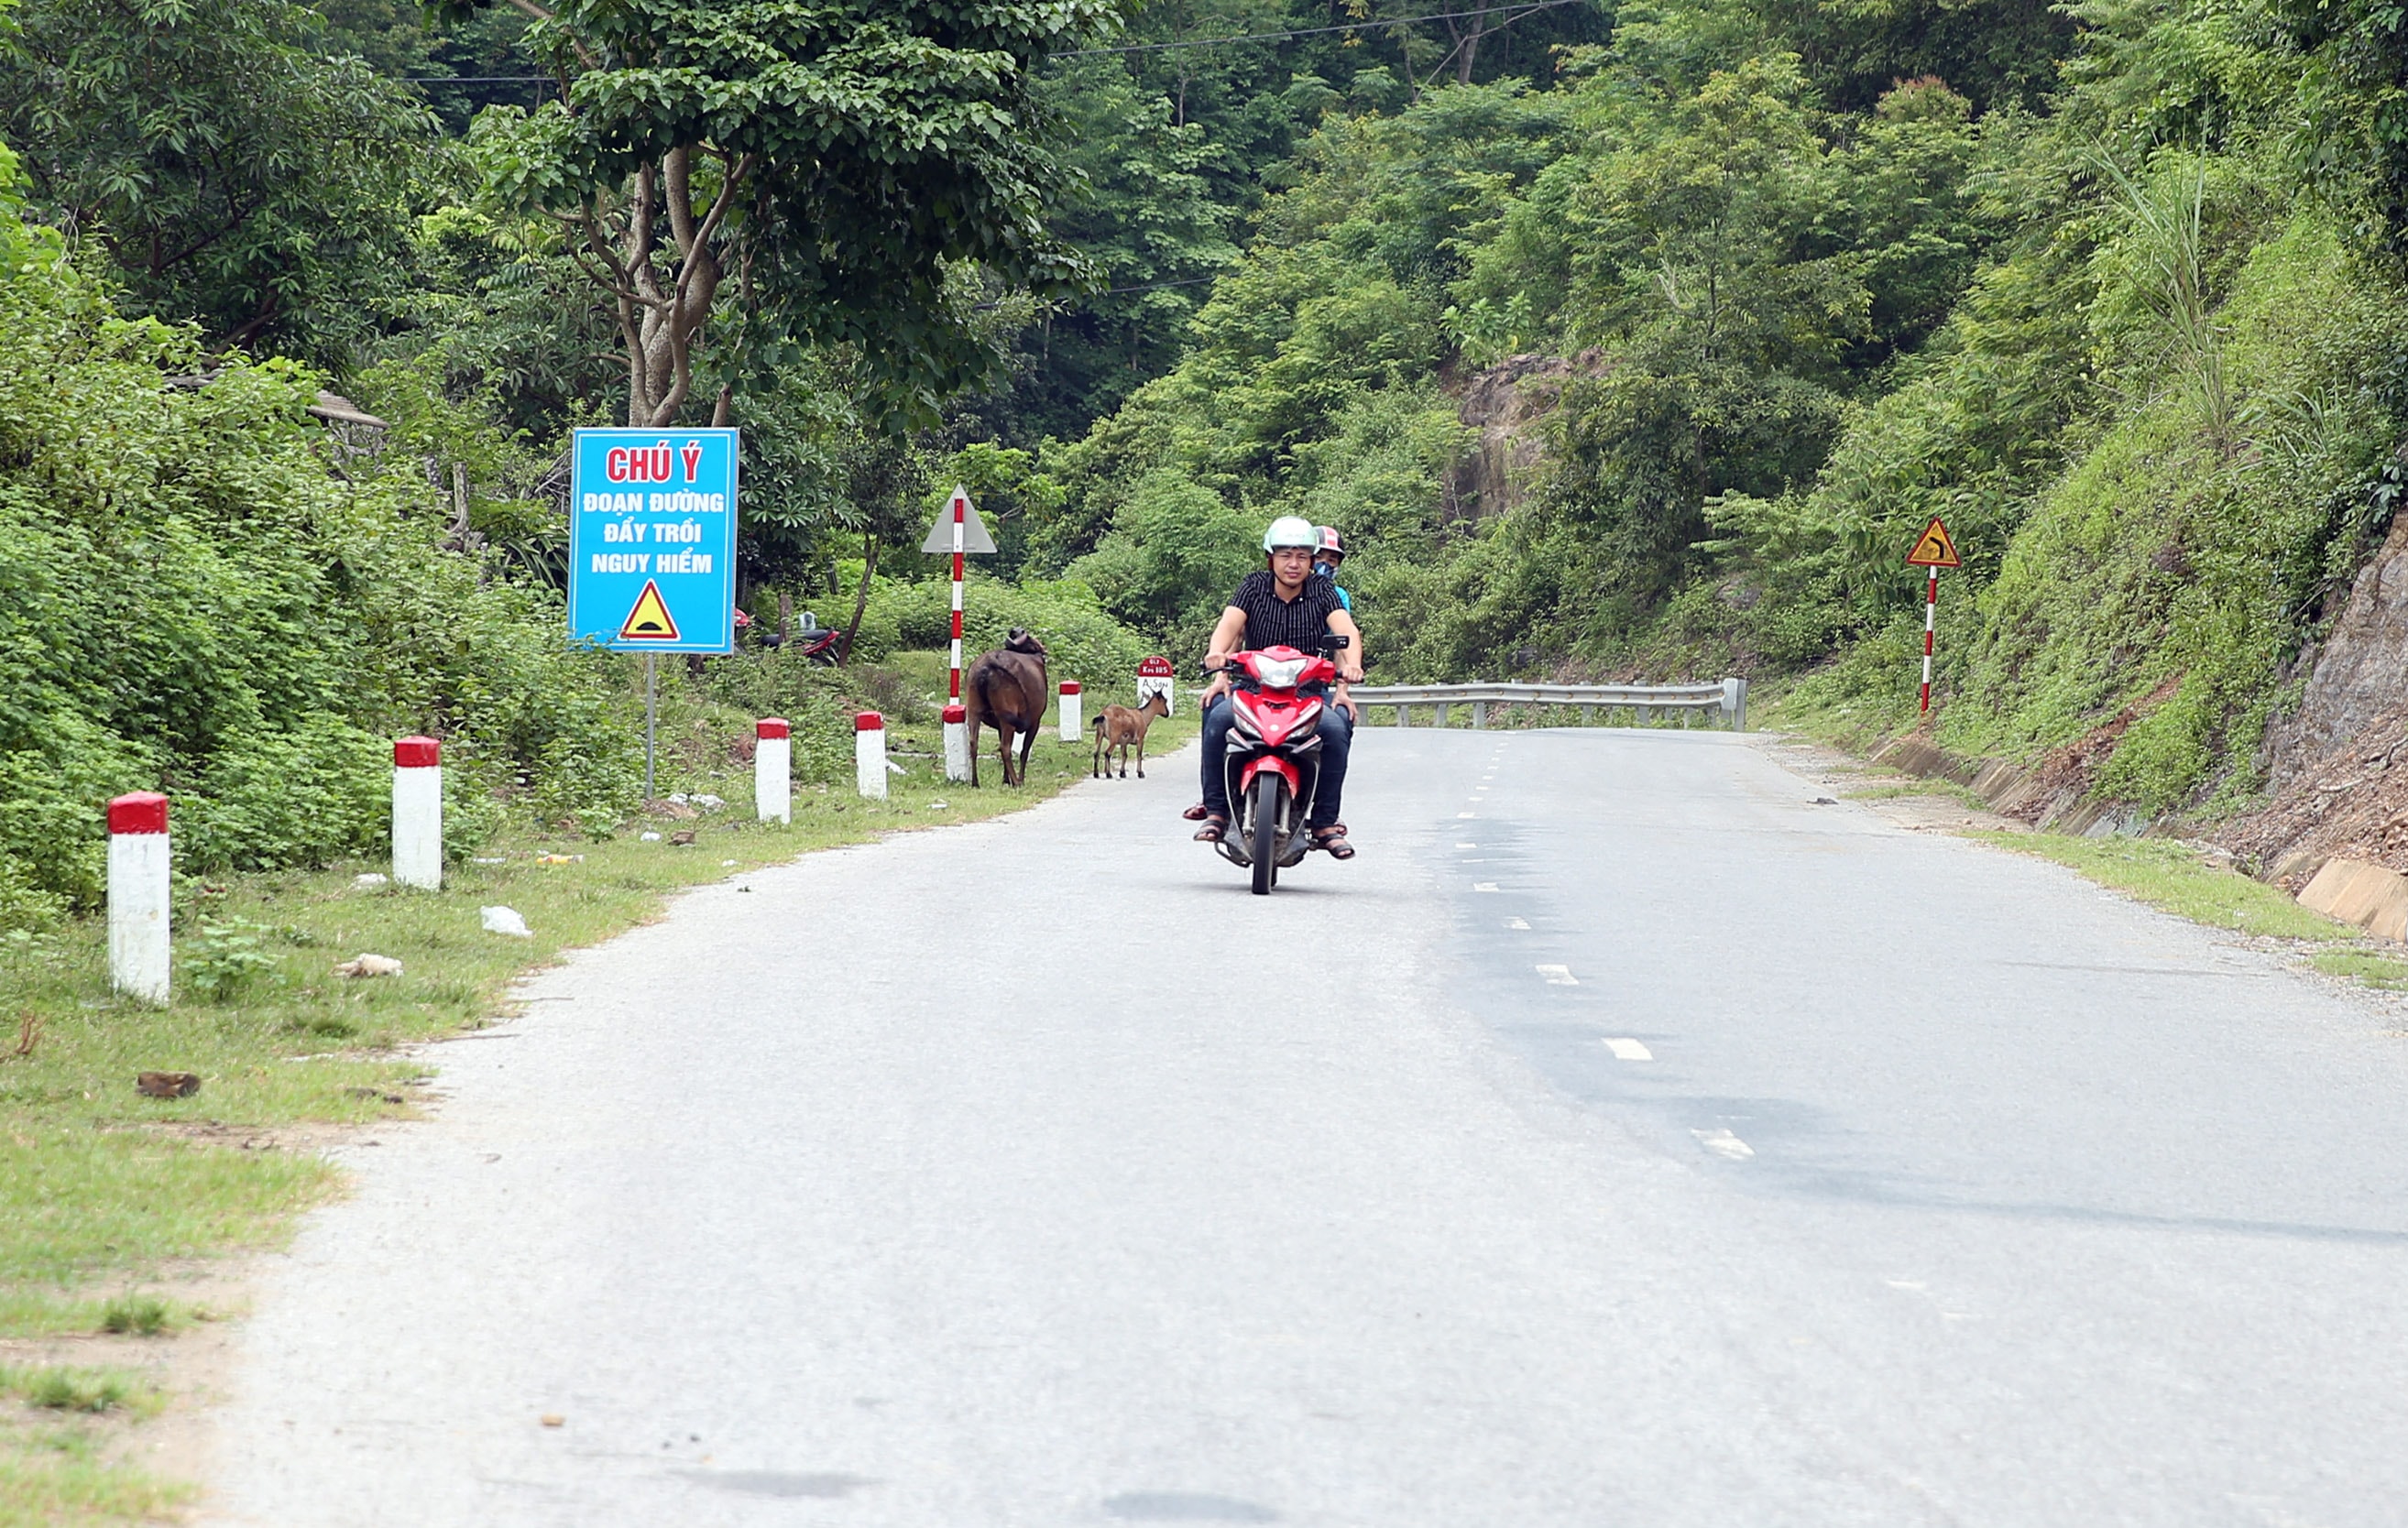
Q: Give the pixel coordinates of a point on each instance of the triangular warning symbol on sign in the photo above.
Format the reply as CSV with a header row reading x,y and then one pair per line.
x,y
1934,549
649,621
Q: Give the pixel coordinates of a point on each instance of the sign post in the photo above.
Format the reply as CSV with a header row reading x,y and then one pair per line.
x,y
1933,549
958,530
652,548
1157,677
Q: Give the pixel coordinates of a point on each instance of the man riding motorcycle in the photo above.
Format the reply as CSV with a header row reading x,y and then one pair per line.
x,y
1284,605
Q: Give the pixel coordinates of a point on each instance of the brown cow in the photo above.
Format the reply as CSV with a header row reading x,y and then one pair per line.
x,y
1007,689
1119,726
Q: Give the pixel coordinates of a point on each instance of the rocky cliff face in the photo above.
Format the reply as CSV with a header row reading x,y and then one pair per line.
x,y
2362,674
1508,404
2339,767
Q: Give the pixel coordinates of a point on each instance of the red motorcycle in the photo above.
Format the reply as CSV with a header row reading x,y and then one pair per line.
x,y
1273,764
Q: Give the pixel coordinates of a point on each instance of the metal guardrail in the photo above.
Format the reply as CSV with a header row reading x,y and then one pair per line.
x,y
1730,698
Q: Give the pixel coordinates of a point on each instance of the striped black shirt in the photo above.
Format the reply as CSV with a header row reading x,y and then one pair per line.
x,y
1272,621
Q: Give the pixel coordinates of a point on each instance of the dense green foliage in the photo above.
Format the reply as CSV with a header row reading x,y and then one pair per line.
x,y
2115,291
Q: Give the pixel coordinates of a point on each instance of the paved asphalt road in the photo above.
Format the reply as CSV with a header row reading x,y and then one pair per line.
x,y
1620,1140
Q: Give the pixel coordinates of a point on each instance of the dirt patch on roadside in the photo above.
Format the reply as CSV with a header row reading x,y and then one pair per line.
x,y
1911,799
189,1366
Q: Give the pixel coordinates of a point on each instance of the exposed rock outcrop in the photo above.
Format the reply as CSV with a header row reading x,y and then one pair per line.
x,y
1508,404
2362,674
2339,767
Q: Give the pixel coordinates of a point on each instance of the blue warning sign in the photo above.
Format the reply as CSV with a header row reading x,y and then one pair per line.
x,y
652,540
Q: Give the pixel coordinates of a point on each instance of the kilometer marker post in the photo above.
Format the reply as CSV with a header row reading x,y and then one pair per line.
x,y
1933,549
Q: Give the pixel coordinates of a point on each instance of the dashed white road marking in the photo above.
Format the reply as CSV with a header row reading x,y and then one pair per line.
x,y
1629,1050
1722,1143
1483,886
1559,976
1516,922
1460,816
1460,844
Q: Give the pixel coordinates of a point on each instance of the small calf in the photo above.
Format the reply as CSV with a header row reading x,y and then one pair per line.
x,y
1119,727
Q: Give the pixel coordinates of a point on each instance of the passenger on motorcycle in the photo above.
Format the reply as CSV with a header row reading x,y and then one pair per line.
x,y
1284,605
1328,553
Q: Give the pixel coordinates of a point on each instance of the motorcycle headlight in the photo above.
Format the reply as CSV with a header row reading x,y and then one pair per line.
x,y
1279,675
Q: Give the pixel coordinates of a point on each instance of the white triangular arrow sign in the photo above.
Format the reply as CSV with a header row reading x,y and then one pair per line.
x,y
974,537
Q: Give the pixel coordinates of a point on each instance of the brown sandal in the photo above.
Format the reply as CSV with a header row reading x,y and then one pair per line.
x,y
1333,840
1212,830
1195,813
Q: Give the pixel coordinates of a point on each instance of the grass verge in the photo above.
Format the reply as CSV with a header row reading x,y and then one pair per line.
x,y
1944,790
2378,971
2178,878
106,1194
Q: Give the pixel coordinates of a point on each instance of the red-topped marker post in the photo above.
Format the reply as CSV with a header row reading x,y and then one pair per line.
x,y
773,769
1933,549
957,743
870,755
1067,707
418,813
138,863
959,531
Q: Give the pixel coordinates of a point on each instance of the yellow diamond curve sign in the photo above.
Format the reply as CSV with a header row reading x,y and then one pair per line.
x,y
1934,549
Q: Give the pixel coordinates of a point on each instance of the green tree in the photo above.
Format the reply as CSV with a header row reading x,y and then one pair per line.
x,y
234,175
739,178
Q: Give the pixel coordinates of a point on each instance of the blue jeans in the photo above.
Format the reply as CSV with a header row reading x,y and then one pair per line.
x,y
1337,732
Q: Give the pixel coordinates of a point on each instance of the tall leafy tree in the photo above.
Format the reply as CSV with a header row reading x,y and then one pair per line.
x,y
738,179
235,175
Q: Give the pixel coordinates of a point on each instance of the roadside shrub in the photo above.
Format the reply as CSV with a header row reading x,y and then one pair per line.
x,y
275,799
592,777
227,959
1083,641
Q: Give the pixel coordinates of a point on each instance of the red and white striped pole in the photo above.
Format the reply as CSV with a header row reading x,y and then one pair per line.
x,y
957,747
1930,612
1067,707
773,766
418,813
870,755
139,860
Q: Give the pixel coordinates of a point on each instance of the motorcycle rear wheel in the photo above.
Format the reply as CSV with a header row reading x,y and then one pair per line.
x,y
1270,809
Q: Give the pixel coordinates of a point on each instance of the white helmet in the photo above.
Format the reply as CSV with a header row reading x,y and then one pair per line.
x,y
1290,531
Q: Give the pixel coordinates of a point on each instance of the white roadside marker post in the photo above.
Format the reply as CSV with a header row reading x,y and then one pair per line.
x,y
957,743
138,859
418,813
1067,711
870,755
773,769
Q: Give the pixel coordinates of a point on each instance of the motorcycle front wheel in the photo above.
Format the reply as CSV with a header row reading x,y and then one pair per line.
x,y
1271,810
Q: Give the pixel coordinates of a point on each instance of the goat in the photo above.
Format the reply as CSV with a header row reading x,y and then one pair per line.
x,y
1120,726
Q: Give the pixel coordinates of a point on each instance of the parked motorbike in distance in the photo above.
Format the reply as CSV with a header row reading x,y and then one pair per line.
x,y
812,641
1272,766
